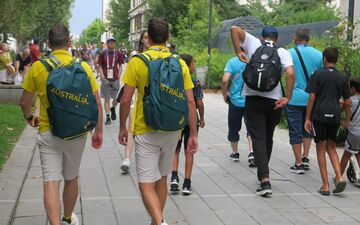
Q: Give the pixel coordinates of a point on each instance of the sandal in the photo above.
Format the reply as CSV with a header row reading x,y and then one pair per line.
x,y
322,192
339,187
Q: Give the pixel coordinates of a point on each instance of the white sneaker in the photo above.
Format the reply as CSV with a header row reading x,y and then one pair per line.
x,y
125,165
74,220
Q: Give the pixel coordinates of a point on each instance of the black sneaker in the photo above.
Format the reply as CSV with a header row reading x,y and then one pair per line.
x,y
113,113
264,189
187,189
108,121
306,162
298,169
251,160
235,156
174,185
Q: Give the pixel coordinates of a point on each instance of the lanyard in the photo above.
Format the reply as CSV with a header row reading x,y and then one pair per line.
x,y
107,60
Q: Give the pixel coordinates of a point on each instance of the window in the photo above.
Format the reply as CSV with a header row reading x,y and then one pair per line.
x,y
138,20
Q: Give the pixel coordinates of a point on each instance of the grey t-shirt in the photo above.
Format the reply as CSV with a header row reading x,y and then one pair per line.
x,y
354,127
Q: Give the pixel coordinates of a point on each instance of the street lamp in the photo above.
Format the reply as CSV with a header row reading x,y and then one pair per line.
x,y
209,45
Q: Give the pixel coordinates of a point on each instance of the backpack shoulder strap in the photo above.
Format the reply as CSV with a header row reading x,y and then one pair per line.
x,y
357,108
145,58
44,61
302,64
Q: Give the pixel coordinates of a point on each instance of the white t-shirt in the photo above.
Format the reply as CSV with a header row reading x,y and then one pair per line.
x,y
250,45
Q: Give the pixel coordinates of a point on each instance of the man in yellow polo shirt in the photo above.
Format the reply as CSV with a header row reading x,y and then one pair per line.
x,y
59,158
154,150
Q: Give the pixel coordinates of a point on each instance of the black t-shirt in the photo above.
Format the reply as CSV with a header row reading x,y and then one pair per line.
x,y
328,85
23,62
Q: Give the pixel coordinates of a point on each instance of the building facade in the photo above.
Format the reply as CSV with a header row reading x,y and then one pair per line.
x,y
136,16
105,18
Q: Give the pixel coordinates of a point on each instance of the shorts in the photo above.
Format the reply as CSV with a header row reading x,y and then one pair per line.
x,y
109,88
60,158
352,143
184,134
325,131
154,153
235,115
296,119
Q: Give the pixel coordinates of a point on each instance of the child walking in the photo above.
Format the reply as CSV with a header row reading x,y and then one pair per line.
x,y
352,143
326,87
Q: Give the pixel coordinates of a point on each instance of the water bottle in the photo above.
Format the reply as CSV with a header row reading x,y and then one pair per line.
x,y
18,79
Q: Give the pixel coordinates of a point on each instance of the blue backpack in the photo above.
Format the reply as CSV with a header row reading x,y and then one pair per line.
x,y
72,108
165,103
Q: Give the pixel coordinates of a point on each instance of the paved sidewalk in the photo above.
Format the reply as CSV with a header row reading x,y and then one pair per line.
x,y
224,191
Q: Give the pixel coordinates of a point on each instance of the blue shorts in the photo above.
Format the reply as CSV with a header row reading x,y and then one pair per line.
x,y
235,115
296,120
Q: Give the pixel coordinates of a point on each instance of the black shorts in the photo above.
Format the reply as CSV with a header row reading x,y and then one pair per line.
x,y
184,134
325,131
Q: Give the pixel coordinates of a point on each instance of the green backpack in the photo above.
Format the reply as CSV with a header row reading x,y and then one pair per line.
x,y
72,108
165,104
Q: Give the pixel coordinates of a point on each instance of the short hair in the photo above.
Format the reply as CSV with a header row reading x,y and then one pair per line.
x,y
59,36
187,58
355,83
331,54
158,30
25,50
36,40
302,34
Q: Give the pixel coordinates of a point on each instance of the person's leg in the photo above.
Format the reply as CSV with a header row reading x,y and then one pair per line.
x,y
151,201
344,161
256,126
129,146
306,146
272,119
70,195
294,116
234,125
321,157
52,201
161,190
107,110
334,158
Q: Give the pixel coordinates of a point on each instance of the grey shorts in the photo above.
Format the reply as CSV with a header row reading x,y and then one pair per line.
x,y
154,154
109,88
60,158
352,143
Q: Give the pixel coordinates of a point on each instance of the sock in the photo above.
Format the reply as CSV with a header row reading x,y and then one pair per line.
x,y
187,181
67,219
107,115
174,174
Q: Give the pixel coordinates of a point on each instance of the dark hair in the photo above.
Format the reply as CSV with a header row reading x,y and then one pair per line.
x,y
158,31
36,40
58,36
355,83
331,54
187,58
141,44
302,34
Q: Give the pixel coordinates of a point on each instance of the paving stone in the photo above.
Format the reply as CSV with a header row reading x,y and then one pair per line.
x,y
33,220
331,215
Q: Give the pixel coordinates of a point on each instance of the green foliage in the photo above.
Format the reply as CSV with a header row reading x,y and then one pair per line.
x,y
193,28
92,34
119,22
11,126
25,19
229,9
292,12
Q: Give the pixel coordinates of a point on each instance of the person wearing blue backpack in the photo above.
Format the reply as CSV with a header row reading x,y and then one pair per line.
x,y
66,117
165,102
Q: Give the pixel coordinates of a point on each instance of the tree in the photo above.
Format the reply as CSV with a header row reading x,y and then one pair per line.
x,y
229,9
119,22
171,10
92,34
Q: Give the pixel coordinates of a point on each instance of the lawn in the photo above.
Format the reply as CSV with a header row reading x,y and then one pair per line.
x,y
11,127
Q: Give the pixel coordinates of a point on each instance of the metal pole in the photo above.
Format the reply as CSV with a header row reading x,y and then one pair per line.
x,y
350,20
209,45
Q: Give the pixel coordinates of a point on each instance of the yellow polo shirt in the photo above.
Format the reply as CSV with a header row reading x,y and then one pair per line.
x,y
35,82
136,76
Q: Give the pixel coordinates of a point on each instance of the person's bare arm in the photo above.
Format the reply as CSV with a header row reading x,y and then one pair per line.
x,y
193,141
290,80
26,106
309,109
17,65
125,103
224,86
238,38
347,107
97,137
201,109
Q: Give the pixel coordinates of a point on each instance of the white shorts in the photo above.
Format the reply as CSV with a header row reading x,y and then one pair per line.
x,y
352,143
154,154
60,158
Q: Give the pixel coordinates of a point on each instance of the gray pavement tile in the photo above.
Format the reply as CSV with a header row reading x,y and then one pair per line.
x,y
300,216
235,216
208,218
282,202
32,193
4,220
354,212
30,220
331,215
129,205
35,208
6,209
190,204
102,218
221,203
133,218
310,201
97,206
94,191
